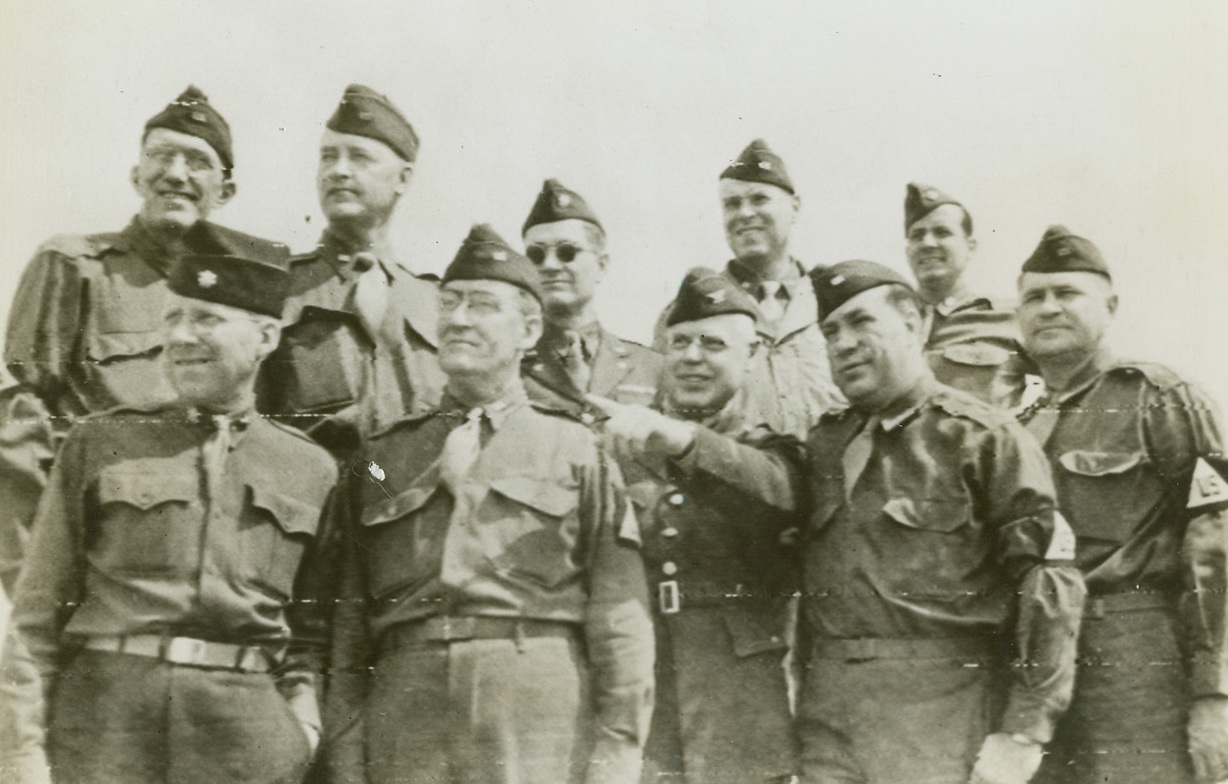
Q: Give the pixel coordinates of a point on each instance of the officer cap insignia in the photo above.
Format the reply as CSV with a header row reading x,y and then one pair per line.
x,y
931,194
556,202
1207,487
836,280
364,112
484,255
757,163
717,297
1063,251
199,117
499,256
765,165
365,116
206,279
837,284
563,200
705,293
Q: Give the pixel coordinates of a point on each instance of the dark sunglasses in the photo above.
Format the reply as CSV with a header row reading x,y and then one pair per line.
x,y
564,251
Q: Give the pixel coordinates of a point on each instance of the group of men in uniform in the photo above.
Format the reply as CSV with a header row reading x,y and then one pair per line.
x,y
273,517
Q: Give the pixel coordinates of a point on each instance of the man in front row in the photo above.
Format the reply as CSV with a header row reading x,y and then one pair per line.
x,y
713,494
1137,457
933,546
493,624
157,636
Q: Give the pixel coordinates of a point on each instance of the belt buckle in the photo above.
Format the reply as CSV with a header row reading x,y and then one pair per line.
x,y
184,650
668,598
449,629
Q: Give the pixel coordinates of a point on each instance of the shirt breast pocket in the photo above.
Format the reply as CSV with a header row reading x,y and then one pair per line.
x,y
275,541
402,539
929,541
1103,494
530,529
149,518
325,357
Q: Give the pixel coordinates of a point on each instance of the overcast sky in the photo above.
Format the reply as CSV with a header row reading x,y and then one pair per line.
x,y
1109,117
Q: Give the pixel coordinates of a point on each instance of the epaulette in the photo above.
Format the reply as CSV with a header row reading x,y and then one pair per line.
x,y
410,420
128,411
301,258
74,245
1159,375
963,405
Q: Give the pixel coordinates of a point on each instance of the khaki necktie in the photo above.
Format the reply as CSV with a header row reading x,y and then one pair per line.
x,y
857,455
216,448
460,452
770,305
574,361
370,292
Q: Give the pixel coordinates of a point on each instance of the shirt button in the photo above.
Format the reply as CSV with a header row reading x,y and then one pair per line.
x,y
669,533
669,568
676,499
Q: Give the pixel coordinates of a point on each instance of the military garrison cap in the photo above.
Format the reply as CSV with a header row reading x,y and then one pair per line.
x,y
251,285
485,256
364,112
556,202
837,284
920,200
757,163
1061,251
191,113
705,293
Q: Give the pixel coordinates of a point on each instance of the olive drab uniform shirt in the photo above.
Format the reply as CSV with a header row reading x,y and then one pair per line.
x,y
621,370
548,536
721,580
973,345
333,378
1137,456
789,386
145,530
939,523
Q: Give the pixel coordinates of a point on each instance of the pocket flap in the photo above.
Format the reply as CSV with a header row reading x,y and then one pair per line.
x,y
402,504
145,485
939,514
1100,463
978,354
292,514
540,494
106,345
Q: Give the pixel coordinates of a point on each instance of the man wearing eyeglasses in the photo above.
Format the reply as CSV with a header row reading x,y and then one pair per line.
x,y
576,356
358,350
83,334
713,495
791,385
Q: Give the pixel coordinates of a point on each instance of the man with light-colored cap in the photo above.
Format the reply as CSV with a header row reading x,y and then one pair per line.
x,y
1137,456
577,356
791,385
164,629
714,494
493,622
940,602
83,333
971,341
358,349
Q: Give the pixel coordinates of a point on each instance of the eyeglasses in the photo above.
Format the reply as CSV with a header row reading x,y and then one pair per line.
x,y
564,252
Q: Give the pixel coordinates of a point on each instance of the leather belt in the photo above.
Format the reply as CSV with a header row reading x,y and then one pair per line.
x,y
870,648
1099,606
443,629
187,651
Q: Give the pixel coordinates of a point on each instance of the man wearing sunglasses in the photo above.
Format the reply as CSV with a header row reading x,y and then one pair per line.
x,y
791,385
358,350
576,356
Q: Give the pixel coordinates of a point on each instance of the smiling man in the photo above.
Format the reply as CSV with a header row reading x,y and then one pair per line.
x,y
493,624
159,633
933,557
968,337
83,333
1137,455
791,385
576,355
358,348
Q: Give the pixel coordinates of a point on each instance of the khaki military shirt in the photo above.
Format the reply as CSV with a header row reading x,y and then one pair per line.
x,y
620,370
140,533
973,344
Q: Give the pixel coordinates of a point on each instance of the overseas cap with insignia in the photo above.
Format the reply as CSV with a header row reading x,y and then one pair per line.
x,y
555,203
1061,251
757,163
254,286
485,256
920,200
364,112
705,293
191,113
837,284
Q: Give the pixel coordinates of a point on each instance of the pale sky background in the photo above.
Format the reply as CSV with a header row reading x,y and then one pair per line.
x,y
1106,116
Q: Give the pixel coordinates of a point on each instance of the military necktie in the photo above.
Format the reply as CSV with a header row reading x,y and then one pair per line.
x,y
574,361
460,452
370,292
857,455
771,306
216,448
